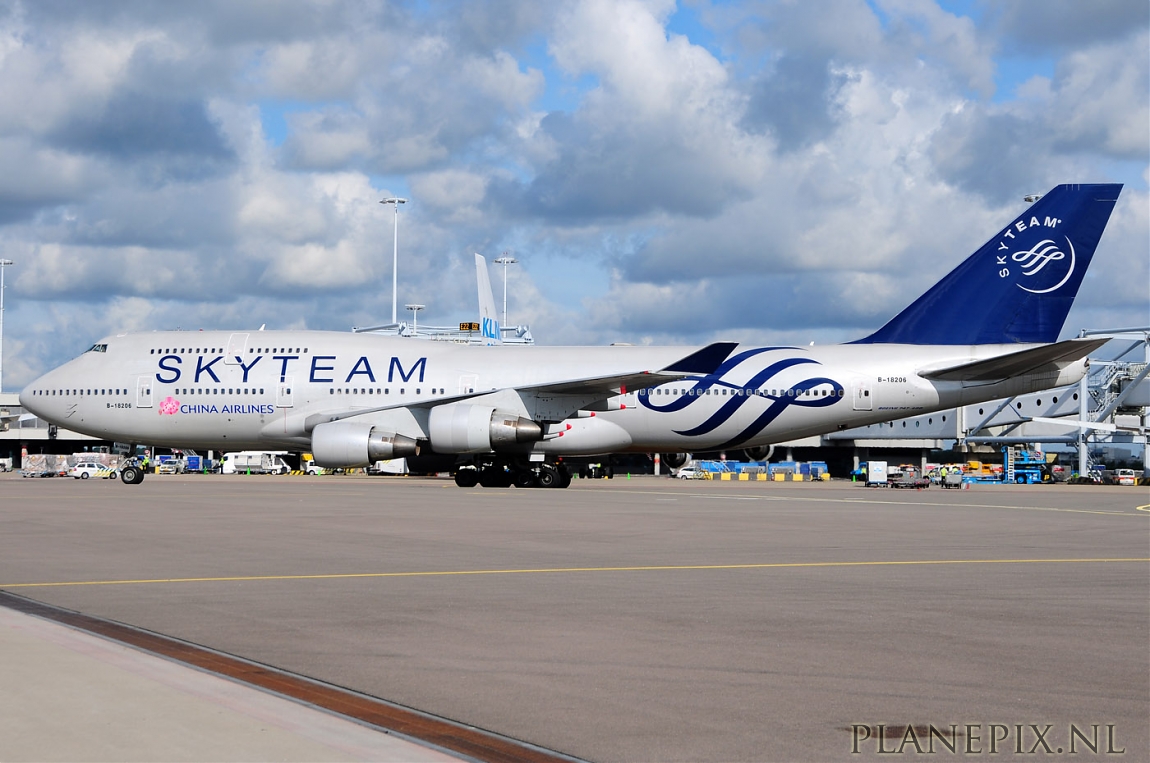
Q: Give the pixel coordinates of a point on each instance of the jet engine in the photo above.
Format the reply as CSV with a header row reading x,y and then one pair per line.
x,y
759,453
479,429
675,460
347,444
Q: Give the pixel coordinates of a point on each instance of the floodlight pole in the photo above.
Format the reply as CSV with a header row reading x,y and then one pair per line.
x,y
505,260
3,264
415,317
395,259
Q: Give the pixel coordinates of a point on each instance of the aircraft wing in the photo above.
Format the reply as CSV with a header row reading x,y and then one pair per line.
x,y
704,361
1017,363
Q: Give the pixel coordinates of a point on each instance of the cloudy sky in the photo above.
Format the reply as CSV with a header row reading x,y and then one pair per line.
x,y
767,170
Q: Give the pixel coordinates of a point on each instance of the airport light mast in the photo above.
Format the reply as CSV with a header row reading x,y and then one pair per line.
x,y
3,264
395,258
415,317
505,260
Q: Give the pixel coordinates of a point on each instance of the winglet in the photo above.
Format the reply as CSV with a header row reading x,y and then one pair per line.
x,y
704,361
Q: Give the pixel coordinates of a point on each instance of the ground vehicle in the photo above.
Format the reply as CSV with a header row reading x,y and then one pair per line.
x,y
254,462
86,469
689,473
1125,477
876,473
906,476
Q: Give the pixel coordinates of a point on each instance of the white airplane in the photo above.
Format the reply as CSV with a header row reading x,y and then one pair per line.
x,y
987,330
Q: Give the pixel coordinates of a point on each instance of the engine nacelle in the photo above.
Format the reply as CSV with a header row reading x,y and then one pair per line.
x,y
347,444
760,453
460,428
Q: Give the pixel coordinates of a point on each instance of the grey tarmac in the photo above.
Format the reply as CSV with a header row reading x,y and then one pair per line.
x,y
641,619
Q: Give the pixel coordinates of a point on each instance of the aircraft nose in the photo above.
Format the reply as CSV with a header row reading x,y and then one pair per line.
x,y
30,400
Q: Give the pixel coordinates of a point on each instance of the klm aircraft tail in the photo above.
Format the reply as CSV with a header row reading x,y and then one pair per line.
x,y
1019,286
488,318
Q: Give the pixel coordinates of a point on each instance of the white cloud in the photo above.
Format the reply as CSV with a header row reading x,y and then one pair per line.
x,y
806,173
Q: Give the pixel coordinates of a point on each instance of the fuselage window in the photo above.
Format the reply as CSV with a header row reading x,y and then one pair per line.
x,y
417,390
331,391
387,390
339,392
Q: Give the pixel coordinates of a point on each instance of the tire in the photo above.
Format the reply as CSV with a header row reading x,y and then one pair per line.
x,y
467,478
131,475
525,478
548,477
84,475
565,479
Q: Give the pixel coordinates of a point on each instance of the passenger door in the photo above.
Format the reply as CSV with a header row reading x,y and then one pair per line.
x,y
144,392
284,396
861,395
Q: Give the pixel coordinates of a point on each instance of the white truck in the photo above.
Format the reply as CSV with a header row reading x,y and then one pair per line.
x,y
254,462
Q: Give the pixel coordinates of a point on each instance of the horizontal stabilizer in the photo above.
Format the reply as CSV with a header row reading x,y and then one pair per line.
x,y
1017,363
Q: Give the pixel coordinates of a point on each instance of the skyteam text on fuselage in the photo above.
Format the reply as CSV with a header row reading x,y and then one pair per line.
x,y
987,330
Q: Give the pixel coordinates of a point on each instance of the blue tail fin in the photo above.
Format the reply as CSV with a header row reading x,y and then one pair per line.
x,y
1019,286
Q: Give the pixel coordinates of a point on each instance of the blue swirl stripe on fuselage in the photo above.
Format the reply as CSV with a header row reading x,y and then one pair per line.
x,y
710,380
789,397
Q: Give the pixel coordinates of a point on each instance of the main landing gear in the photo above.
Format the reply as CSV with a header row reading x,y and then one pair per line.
x,y
503,473
132,474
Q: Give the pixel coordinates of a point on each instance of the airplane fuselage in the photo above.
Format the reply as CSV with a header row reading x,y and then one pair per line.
x,y
264,389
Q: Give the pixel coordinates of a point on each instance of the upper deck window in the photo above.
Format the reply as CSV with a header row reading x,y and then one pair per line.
x,y
98,348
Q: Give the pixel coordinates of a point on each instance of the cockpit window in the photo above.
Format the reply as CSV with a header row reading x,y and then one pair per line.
x,y
98,348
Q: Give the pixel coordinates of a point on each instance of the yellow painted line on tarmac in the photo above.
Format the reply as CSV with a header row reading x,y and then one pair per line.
x,y
824,499
1142,508
555,570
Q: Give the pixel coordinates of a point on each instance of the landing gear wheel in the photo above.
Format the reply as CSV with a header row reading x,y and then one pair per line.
x,y
132,475
467,477
525,478
549,477
564,478
494,478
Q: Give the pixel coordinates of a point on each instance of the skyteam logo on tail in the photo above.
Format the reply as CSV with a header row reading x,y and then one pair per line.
x,y
1034,260
1044,266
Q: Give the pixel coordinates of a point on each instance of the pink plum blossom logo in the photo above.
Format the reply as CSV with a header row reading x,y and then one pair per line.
x,y
170,406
